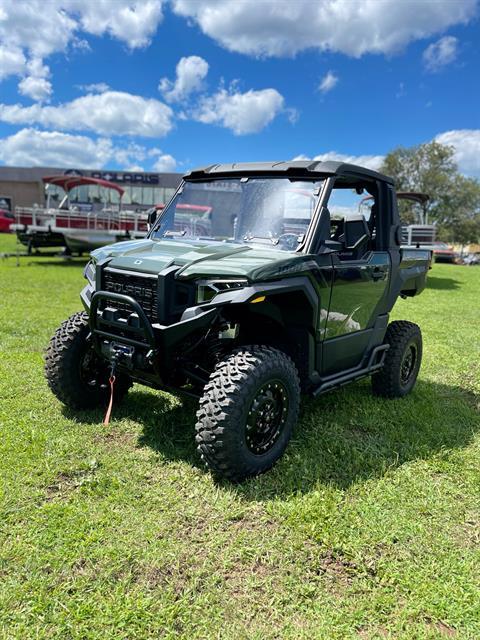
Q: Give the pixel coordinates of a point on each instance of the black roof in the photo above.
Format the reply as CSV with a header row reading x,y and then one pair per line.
x,y
307,168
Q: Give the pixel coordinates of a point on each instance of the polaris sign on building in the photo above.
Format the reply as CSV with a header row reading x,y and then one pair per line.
x,y
127,178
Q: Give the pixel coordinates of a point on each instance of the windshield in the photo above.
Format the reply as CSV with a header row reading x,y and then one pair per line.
x,y
274,212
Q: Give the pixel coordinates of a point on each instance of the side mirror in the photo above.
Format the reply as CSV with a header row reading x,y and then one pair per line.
x,y
355,231
151,217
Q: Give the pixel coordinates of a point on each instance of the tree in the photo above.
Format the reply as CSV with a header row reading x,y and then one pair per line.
x,y
465,231
454,204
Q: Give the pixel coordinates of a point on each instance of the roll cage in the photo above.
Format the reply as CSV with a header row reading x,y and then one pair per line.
x,y
334,175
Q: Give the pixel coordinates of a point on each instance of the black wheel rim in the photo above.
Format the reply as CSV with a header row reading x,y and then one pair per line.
x,y
266,417
408,364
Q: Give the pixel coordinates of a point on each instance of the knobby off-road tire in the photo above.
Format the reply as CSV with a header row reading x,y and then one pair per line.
x,y
247,412
402,361
75,374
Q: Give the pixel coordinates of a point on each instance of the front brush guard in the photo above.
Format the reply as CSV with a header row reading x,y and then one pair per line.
x,y
137,323
137,331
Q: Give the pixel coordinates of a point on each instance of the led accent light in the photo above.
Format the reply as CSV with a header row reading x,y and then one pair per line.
x,y
208,289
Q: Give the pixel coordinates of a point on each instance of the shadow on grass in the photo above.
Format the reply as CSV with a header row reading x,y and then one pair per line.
x,y
349,436
167,421
342,438
434,282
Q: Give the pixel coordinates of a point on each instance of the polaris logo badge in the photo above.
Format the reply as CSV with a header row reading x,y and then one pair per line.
x,y
133,290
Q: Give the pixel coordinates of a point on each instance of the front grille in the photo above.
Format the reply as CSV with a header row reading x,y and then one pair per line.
x,y
143,289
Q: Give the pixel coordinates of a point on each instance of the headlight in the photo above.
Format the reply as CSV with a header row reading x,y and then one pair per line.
x,y
89,272
208,289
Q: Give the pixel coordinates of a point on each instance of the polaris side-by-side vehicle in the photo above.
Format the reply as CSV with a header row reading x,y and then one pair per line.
x,y
251,287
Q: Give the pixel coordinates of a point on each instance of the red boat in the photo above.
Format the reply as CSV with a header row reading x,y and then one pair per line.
x,y
6,220
89,215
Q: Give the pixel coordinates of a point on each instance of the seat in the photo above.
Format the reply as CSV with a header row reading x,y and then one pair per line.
x,y
356,237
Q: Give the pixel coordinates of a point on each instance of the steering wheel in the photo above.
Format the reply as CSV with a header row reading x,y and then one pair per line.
x,y
288,241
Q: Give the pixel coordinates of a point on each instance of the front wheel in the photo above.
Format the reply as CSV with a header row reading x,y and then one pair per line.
x,y
247,412
74,372
402,362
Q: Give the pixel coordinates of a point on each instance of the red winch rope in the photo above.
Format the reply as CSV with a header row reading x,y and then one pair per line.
x,y
110,404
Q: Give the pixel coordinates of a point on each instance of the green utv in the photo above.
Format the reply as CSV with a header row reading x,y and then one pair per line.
x,y
257,282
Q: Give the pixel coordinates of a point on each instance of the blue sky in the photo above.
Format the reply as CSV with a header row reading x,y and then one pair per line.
x,y
170,85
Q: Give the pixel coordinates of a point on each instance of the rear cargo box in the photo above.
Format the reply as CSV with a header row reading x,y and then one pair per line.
x,y
414,266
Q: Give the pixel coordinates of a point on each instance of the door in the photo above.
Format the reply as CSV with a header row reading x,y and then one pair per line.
x,y
360,278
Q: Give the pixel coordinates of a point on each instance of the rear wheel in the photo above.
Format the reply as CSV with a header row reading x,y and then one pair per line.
x,y
74,372
402,361
247,412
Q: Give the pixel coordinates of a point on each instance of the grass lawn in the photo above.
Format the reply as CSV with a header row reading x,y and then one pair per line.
x,y
369,527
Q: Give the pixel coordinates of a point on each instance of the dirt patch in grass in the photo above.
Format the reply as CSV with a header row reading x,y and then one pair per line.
x,y
341,571
369,634
334,565
467,535
81,567
116,437
442,628
63,484
67,481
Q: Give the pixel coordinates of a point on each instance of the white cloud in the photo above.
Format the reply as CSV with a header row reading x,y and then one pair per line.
x,y
31,147
190,74
440,53
96,87
165,163
35,28
37,69
36,88
109,113
46,27
466,143
328,82
133,153
133,22
371,162
354,28
243,113
12,61
36,84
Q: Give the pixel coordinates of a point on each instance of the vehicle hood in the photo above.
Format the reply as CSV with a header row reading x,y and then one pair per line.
x,y
200,259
